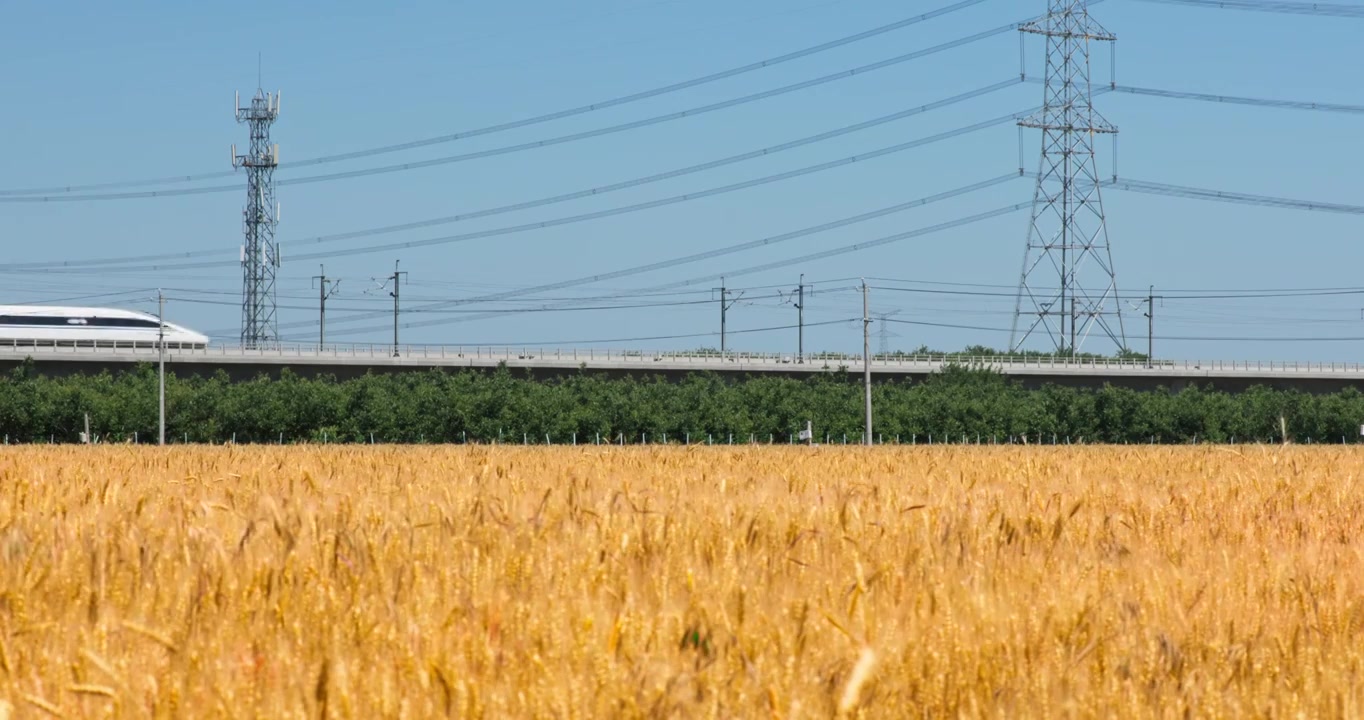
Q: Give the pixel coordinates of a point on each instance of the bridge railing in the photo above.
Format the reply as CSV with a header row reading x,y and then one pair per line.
x,y
457,354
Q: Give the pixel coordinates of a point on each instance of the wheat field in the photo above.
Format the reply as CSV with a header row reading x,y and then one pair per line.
x,y
592,582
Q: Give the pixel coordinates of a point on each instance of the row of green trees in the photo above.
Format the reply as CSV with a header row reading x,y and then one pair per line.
x,y
475,406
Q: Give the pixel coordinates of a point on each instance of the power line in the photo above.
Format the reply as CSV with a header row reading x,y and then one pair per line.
x,y
13,196
489,313
718,252
1261,296
536,144
549,305
1125,292
856,247
95,296
532,310
1295,8
603,189
1237,100
584,217
552,343
1171,338
1195,193
1239,296
537,119
952,326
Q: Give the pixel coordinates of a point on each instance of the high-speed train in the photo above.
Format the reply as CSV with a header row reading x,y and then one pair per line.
x,y
89,327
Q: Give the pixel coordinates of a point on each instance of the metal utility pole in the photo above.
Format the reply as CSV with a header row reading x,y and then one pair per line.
x,y
800,320
161,371
260,253
725,305
866,359
326,287
397,278
1068,232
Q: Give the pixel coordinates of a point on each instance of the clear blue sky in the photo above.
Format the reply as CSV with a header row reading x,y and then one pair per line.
x,y
108,92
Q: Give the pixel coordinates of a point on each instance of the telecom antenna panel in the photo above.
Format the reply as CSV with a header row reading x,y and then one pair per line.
x,y
260,253
1068,289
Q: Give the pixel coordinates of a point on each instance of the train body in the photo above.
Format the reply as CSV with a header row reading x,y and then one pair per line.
x,y
46,326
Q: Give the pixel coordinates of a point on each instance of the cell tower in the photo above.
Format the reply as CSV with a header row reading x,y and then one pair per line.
x,y
260,252
1068,288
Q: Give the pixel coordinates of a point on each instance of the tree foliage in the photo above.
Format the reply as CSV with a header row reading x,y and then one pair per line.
x,y
957,404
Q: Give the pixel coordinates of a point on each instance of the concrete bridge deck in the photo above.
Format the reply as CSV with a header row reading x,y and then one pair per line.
x,y
355,360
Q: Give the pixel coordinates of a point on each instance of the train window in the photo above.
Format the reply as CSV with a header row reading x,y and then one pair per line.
x,y
28,320
60,321
123,322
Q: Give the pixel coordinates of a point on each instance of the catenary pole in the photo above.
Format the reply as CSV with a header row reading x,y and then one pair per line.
x,y
161,371
397,285
326,287
1150,326
866,360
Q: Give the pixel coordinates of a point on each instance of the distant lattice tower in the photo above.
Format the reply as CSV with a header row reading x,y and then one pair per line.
x,y
260,253
1068,288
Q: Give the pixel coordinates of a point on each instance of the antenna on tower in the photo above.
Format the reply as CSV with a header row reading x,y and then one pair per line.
x,y
1068,287
260,252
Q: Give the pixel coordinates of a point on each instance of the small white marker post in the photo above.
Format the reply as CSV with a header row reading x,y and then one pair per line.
x,y
808,434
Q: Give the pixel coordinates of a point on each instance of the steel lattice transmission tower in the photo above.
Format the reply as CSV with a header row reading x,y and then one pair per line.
x,y
260,253
1068,288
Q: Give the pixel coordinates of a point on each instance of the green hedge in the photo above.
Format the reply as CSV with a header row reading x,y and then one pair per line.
x,y
490,406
